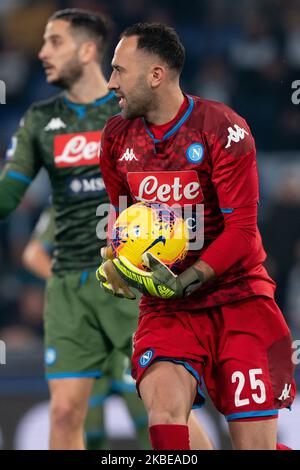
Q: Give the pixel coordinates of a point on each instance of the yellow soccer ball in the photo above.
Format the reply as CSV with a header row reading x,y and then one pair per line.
x,y
154,228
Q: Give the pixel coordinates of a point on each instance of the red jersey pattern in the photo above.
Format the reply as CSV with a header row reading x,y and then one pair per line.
x,y
208,157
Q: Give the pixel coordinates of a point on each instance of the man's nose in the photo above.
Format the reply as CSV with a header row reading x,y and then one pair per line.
x,y
112,84
42,53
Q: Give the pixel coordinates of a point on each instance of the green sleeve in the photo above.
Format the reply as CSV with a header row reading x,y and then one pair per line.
x,y
21,167
44,229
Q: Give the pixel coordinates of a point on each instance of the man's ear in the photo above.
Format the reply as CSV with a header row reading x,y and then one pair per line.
x,y
157,75
87,52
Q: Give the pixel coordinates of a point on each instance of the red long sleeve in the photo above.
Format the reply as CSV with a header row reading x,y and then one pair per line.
x,y
239,241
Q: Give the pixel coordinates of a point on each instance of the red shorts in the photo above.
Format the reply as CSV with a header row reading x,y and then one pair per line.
x,y
242,351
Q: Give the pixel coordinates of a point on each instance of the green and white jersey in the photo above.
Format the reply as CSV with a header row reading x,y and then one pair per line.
x,y
64,138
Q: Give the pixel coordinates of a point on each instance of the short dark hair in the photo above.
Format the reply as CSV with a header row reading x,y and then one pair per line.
x,y
159,39
97,26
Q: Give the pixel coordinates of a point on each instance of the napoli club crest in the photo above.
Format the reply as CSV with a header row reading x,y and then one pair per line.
x,y
145,358
195,153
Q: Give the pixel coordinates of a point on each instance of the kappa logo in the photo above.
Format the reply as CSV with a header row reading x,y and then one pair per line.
x,y
285,392
235,135
146,358
54,125
128,156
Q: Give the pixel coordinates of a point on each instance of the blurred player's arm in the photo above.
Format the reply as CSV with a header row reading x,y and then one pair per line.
x,y
21,167
106,273
37,254
37,260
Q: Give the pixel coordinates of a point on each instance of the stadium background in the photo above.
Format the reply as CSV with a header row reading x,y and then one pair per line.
x,y
246,54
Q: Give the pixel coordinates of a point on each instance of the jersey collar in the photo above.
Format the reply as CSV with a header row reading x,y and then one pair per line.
x,y
81,109
176,126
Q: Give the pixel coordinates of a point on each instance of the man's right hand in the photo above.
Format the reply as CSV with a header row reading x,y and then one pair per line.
x,y
109,278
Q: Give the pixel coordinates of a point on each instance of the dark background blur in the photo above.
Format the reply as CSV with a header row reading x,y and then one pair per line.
x,y
245,53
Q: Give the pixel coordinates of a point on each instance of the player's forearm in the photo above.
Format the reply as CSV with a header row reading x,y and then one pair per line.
x,y
208,272
236,244
193,278
37,260
11,193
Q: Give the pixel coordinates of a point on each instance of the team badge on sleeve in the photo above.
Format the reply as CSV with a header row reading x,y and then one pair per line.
x,y
146,358
11,148
50,356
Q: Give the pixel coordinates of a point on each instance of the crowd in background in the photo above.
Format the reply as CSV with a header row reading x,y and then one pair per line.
x,y
245,53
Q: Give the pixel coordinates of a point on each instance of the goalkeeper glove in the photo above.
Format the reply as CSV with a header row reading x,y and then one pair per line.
x,y
160,281
111,282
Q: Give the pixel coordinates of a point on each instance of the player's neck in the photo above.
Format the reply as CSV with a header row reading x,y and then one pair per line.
x,y
166,107
90,87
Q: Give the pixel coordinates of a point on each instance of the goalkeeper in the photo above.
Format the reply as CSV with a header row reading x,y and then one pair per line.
x,y
216,319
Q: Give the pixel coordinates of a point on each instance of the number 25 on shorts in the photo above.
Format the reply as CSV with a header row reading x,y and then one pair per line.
x,y
256,384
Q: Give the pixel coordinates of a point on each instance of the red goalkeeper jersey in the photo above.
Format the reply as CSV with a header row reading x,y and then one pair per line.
x,y
205,163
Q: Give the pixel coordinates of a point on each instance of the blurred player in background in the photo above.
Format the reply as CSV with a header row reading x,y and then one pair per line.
x,y
117,380
83,327
216,318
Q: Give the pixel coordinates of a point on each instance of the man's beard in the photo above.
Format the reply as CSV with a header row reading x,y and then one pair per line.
x,y
70,73
141,101
136,109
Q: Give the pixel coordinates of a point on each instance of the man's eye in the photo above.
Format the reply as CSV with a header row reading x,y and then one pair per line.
x,y
56,42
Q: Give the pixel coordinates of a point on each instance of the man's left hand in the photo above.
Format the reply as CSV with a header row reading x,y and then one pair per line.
x,y
112,283
160,281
